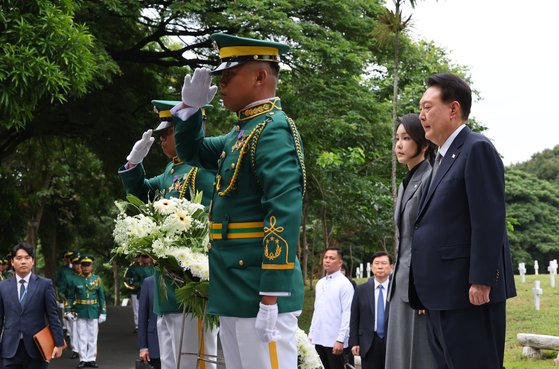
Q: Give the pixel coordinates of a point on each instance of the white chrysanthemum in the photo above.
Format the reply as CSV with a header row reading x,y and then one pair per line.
x,y
194,262
160,248
128,229
309,358
165,206
176,223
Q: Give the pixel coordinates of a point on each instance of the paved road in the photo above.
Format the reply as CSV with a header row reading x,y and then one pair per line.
x,y
117,346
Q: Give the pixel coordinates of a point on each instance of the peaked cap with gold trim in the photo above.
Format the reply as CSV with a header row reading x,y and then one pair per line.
x,y
234,50
163,109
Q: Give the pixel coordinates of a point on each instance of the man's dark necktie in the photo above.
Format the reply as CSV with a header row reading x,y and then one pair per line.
x,y
380,312
436,165
22,290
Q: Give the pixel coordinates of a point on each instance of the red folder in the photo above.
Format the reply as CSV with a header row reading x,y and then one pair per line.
x,y
45,343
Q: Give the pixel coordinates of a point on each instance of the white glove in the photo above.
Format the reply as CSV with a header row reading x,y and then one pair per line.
x,y
69,316
102,318
141,148
196,90
183,113
266,323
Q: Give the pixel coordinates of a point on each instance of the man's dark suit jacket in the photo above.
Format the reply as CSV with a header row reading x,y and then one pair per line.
x,y
363,315
460,233
39,306
147,320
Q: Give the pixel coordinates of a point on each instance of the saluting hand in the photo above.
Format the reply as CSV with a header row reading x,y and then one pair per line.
x,y
196,90
141,148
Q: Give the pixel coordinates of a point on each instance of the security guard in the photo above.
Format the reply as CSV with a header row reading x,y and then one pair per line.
x,y
178,180
256,285
86,299
133,283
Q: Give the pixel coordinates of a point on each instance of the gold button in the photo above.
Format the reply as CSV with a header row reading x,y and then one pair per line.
x,y
209,246
223,154
241,262
172,170
237,128
232,165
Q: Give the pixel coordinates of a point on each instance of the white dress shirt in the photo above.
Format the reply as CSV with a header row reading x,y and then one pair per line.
x,y
18,283
377,291
332,310
444,147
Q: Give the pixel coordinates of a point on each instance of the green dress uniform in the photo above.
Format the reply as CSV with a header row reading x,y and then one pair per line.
x,y
178,180
86,299
256,207
255,217
86,296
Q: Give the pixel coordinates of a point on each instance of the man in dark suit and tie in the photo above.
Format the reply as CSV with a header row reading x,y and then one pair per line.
x,y
26,302
147,325
461,264
369,314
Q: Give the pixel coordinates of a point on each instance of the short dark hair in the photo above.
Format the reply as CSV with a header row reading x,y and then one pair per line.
x,y
415,130
338,251
28,248
453,88
378,254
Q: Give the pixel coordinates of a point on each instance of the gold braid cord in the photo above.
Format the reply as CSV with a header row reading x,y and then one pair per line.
x,y
190,178
299,149
258,130
233,183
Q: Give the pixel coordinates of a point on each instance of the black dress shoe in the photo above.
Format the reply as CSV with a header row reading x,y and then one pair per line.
x,y
75,355
82,364
92,364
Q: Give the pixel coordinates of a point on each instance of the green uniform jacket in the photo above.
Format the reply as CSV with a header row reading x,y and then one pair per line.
x,y
86,297
174,180
132,278
262,188
170,183
62,276
164,299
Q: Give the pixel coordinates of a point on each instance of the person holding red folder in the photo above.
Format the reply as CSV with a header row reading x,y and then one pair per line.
x,y
27,302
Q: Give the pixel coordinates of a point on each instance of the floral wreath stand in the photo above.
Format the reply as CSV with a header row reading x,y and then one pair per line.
x,y
212,359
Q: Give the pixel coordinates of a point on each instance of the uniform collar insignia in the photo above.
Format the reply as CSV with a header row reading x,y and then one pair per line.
x,y
258,109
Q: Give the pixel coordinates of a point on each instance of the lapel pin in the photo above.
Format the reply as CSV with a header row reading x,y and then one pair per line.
x,y
453,156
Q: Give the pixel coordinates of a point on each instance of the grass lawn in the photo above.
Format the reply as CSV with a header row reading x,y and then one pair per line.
x,y
521,318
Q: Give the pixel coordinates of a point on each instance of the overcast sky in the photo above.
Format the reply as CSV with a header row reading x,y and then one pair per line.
x,y
512,50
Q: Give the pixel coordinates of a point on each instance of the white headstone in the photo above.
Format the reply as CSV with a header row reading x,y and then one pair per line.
x,y
537,291
357,273
522,271
362,270
536,267
368,270
552,269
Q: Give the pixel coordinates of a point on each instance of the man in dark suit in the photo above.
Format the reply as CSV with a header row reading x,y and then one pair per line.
x,y
461,264
26,302
147,325
369,314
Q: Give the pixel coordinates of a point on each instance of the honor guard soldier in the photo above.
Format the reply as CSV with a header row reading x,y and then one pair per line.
x,y
256,285
86,298
7,272
179,179
72,280
62,275
3,266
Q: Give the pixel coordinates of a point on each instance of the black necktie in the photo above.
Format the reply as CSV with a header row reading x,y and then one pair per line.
x,y
436,166
22,290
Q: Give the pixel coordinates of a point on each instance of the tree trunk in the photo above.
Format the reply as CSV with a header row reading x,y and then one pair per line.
x,y
395,111
325,236
350,267
116,281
